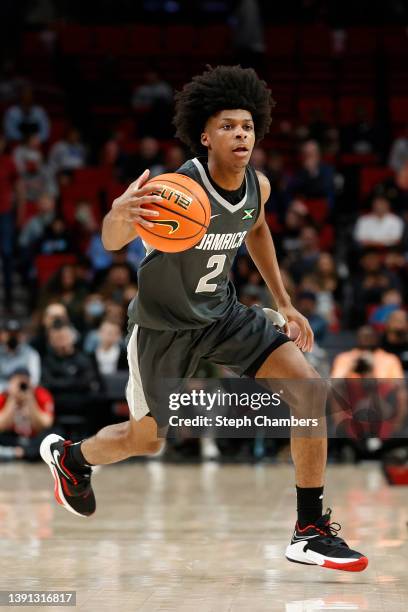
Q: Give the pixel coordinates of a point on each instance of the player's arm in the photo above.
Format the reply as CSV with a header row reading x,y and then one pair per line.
x,y
262,250
118,228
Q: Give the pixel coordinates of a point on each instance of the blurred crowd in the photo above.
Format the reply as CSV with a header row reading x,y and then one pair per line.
x,y
343,262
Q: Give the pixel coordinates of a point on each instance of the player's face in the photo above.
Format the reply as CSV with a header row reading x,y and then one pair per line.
x,y
230,137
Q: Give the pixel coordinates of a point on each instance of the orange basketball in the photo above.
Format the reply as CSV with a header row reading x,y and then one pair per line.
x,y
184,217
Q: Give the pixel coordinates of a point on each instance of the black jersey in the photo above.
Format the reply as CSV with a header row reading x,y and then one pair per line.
x,y
193,288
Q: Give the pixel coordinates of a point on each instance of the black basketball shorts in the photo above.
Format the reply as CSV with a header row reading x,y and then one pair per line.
x,y
241,342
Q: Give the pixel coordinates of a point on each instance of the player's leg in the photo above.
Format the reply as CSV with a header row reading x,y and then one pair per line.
x,y
309,452
71,463
314,540
248,343
164,353
118,442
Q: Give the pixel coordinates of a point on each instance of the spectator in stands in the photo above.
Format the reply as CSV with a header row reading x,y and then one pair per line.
x,y
56,238
68,154
241,270
10,83
93,312
16,353
399,152
326,274
251,295
319,360
296,218
148,156
307,305
278,179
395,336
367,357
317,128
152,101
361,136
305,259
381,227
26,415
54,313
153,90
10,190
395,189
34,229
99,257
85,226
258,159
315,179
376,409
174,158
67,288
66,369
366,286
109,353
35,180
325,303
26,118
391,300
30,236
119,276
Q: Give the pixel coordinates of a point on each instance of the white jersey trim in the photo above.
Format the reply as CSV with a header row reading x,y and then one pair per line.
x,y
230,207
135,396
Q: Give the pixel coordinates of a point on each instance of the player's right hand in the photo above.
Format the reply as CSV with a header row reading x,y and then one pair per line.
x,y
130,205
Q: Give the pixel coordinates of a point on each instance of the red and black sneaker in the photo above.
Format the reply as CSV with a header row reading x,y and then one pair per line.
x,y
319,544
72,489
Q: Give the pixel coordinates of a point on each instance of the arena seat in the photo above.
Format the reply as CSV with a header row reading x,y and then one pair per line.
x,y
361,41
350,105
399,109
213,41
93,178
318,209
281,41
109,40
394,41
144,40
179,40
326,237
307,106
47,265
316,41
75,39
370,177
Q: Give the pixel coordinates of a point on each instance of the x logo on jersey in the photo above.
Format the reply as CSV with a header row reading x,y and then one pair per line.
x,y
248,213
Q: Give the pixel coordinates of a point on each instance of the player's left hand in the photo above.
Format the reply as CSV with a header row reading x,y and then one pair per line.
x,y
305,339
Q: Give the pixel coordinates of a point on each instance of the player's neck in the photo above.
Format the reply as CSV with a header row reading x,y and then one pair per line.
x,y
226,178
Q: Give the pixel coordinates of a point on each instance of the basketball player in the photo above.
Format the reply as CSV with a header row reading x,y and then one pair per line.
x,y
187,307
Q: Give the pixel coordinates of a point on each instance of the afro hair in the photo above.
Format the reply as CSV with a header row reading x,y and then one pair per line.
x,y
217,89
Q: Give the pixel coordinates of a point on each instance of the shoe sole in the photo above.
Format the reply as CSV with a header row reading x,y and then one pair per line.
x,y
45,452
348,565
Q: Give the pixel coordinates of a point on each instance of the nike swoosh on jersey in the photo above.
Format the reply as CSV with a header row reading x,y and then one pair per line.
x,y
213,216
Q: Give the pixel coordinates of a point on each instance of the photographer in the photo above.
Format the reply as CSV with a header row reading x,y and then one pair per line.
x,y
370,404
367,356
16,353
26,414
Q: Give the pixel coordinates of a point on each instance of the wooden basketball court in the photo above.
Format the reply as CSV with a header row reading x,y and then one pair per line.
x,y
200,538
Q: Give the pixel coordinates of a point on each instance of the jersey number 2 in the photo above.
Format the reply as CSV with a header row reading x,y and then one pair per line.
x,y
217,262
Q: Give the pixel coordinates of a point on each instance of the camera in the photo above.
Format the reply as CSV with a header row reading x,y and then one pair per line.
x,y
23,386
363,366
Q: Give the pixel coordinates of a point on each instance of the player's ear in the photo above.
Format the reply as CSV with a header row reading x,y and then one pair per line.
x,y
204,139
